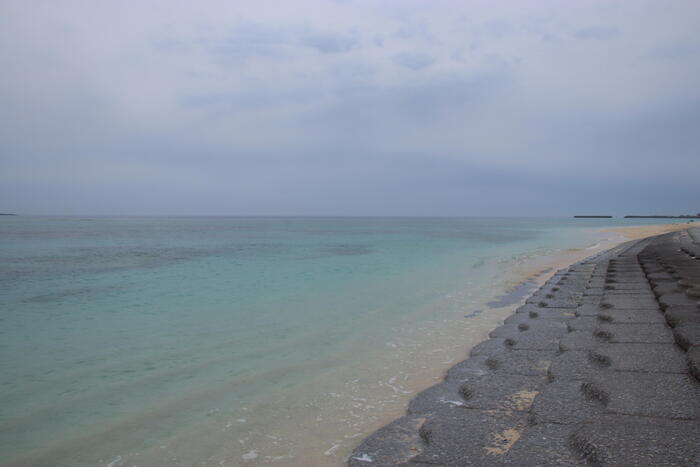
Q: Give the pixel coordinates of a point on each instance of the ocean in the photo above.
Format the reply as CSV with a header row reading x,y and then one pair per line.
x,y
228,340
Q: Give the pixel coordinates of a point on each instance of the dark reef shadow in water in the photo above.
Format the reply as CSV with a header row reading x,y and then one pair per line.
x,y
473,313
338,250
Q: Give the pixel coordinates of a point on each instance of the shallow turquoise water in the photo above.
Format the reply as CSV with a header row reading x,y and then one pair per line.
x,y
119,333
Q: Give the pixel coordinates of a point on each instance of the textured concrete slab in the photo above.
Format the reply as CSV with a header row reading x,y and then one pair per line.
x,y
649,394
506,330
544,444
564,402
522,362
590,300
579,340
693,359
593,291
677,314
627,288
637,441
483,440
584,323
626,295
588,310
658,277
552,291
548,314
666,288
625,278
687,334
536,340
545,313
634,333
555,302
488,347
597,282
502,392
632,316
576,366
647,357
440,399
536,327
533,326
473,367
393,444
677,299
629,302
693,293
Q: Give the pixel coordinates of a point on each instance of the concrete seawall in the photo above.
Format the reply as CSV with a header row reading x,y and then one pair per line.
x,y
601,366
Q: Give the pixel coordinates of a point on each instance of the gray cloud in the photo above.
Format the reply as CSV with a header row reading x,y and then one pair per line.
x,y
413,60
418,30
353,107
677,50
330,43
596,32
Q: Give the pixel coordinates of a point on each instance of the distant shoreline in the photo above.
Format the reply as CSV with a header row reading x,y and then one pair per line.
x,y
664,217
684,216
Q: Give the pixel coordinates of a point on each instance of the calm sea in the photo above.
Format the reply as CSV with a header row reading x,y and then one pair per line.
x,y
224,341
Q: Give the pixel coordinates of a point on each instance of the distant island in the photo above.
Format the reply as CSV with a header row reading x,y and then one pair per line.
x,y
654,216
682,216
5,214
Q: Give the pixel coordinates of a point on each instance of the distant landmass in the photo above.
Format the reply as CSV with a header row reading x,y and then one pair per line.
x,y
653,216
683,216
5,214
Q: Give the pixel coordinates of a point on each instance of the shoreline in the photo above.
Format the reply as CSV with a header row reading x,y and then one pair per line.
x,y
629,237
535,271
380,397
363,397
638,232
449,349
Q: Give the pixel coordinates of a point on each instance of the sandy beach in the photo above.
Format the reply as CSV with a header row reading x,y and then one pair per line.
x,y
643,231
533,267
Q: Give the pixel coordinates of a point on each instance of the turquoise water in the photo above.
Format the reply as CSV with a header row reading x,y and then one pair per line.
x,y
125,339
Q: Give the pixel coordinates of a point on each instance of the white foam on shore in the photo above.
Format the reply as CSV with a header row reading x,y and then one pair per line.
x,y
455,403
332,449
250,455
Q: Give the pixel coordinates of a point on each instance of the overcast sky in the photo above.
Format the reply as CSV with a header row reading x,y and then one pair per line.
x,y
349,107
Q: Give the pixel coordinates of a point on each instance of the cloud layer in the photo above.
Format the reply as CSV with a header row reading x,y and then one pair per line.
x,y
349,107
